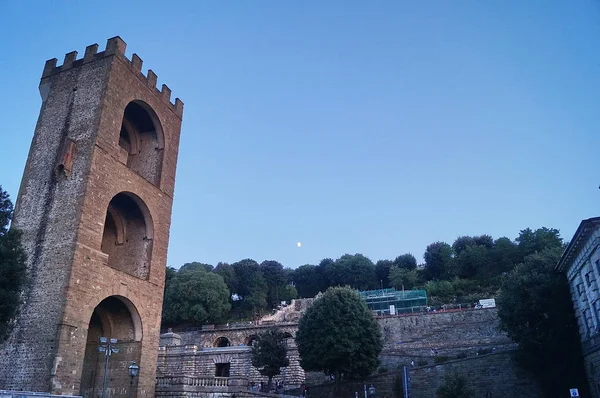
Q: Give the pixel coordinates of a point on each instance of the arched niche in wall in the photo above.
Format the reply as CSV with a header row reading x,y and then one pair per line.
x,y
141,141
127,236
115,317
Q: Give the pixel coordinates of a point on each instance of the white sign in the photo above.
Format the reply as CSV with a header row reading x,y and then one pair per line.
x,y
574,392
487,303
392,309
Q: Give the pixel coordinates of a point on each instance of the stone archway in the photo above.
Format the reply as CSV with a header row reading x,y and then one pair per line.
x,y
114,318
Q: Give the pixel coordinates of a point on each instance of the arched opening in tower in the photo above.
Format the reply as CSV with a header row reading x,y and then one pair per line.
x,y
141,141
127,237
222,342
114,318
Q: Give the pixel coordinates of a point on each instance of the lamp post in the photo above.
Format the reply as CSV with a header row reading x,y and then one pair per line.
x,y
134,371
108,348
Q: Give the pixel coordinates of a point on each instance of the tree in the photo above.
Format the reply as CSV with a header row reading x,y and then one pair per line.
x,y
228,274
382,270
269,353
275,279
355,270
406,261
461,243
339,336
13,271
251,288
195,296
401,278
455,386
305,279
196,265
288,293
438,260
471,261
536,311
530,241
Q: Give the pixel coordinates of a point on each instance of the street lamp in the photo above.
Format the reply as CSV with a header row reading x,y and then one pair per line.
x,y
108,348
134,371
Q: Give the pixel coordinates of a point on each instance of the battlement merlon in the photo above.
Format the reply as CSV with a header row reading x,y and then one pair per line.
x,y
115,46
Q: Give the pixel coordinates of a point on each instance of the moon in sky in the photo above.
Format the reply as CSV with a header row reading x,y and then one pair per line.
x,y
299,244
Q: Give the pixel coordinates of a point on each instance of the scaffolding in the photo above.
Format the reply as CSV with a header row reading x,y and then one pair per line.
x,y
392,301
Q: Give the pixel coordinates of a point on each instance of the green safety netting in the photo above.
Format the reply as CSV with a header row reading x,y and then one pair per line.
x,y
390,301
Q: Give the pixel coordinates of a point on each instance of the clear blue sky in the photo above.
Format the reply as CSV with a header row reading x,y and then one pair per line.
x,y
352,126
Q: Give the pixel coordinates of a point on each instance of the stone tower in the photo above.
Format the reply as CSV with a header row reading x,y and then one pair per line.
x,y
95,210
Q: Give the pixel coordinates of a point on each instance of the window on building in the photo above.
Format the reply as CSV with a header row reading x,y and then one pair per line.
x,y
586,321
580,288
222,369
588,279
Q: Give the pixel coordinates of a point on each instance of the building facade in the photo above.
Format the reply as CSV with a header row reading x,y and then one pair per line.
x,y
581,263
94,207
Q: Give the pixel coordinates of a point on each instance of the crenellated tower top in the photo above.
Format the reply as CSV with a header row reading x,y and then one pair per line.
x,y
115,46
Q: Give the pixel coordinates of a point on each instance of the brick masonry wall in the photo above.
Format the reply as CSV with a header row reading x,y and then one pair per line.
x,y
63,221
407,338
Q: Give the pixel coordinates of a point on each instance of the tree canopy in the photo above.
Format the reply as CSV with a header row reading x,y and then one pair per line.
x,y
339,336
269,353
536,311
195,296
13,271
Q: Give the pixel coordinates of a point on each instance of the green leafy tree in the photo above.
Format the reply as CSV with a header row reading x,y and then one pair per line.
x,y
275,278
305,279
288,293
338,335
228,273
356,271
472,261
484,240
403,278
406,261
536,311
455,386
461,243
251,288
269,353
196,265
382,269
195,296
438,261
13,271
504,255
530,241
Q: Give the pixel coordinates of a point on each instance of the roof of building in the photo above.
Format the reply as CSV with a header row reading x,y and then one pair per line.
x,y
581,236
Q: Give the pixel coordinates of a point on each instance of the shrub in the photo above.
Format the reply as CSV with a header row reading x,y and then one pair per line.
x,y
382,369
441,359
422,362
461,355
455,386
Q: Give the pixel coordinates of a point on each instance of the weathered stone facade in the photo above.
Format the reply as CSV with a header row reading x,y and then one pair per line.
x,y
190,363
496,374
188,360
95,209
581,263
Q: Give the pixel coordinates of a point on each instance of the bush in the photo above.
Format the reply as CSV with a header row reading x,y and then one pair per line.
x,y
441,359
382,369
461,355
455,386
422,362
483,351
